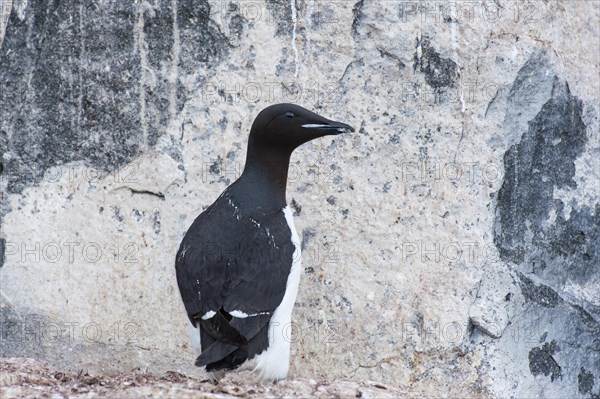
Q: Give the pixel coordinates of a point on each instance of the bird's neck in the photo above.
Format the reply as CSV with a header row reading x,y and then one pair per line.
x,y
264,178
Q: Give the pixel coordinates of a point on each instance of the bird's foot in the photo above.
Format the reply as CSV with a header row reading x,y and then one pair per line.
x,y
217,376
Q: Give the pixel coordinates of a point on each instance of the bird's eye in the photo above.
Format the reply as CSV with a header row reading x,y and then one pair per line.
x,y
289,115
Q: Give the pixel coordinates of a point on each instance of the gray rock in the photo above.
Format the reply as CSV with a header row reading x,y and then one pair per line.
x,y
542,362
559,250
586,381
489,311
92,76
548,247
439,72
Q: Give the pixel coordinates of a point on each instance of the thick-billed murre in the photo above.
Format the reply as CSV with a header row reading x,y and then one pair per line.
x,y
238,266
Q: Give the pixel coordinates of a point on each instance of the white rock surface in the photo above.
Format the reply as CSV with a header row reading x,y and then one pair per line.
x,y
410,278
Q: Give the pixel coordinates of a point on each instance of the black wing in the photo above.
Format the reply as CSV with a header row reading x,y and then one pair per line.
x,y
229,261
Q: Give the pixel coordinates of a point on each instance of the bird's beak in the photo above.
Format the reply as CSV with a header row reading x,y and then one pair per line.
x,y
330,127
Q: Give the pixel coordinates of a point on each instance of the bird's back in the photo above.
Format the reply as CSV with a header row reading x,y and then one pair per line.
x,y
232,270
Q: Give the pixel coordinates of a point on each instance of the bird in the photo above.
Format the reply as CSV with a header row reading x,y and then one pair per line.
x,y
238,265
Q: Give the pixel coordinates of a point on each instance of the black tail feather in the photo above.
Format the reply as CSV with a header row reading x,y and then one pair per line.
x,y
251,326
214,353
219,328
229,362
230,341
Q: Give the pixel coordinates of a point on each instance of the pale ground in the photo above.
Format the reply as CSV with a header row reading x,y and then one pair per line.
x,y
29,378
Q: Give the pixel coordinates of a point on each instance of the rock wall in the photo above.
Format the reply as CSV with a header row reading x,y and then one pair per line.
x,y
451,245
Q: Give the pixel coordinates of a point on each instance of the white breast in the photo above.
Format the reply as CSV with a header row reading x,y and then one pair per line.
x,y
273,363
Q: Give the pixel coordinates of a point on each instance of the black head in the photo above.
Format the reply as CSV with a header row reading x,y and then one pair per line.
x,y
287,126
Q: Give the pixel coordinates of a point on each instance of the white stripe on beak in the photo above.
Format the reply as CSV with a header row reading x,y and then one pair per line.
x,y
310,125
